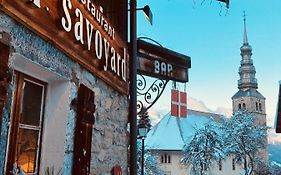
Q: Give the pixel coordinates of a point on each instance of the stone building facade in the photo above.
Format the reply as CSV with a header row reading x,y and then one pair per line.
x,y
45,121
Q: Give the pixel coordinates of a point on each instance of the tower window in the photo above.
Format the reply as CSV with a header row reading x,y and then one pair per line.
x,y
257,106
244,106
239,106
260,106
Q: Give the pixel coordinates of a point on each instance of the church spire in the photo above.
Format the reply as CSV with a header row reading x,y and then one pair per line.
x,y
246,70
245,31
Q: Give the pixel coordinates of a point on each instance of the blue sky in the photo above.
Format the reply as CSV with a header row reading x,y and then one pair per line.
x,y
212,37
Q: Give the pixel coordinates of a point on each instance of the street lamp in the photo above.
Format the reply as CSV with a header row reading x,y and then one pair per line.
x,y
147,13
133,83
142,134
143,128
226,2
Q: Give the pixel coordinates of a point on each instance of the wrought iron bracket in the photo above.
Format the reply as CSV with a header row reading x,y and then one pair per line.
x,y
148,92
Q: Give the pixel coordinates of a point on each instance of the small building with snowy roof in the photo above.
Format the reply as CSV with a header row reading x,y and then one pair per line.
x,y
167,138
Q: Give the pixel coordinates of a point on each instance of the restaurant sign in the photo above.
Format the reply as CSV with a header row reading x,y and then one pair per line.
x,y
80,29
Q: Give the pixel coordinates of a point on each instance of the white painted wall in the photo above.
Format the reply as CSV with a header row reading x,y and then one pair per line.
x,y
226,168
54,131
56,112
176,168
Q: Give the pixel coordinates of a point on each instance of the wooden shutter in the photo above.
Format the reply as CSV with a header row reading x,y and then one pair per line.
x,y
4,80
83,131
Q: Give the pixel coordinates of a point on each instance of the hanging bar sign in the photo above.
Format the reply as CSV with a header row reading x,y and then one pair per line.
x,y
162,63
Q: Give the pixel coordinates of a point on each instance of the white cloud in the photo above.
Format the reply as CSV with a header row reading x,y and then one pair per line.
x,y
157,113
198,105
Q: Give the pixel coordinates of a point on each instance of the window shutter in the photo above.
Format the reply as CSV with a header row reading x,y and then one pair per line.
x,y
4,80
86,105
4,55
83,131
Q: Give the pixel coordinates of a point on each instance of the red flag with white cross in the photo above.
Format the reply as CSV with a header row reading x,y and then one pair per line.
x,y
178,103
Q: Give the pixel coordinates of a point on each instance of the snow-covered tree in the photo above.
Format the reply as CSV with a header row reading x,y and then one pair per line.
x,y
151,166
275,169
204,150
245,140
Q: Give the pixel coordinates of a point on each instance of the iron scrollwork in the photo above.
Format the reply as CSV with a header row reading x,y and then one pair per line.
x,y
148,92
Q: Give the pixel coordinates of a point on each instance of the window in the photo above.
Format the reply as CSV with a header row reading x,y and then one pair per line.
x,y
27,123
260,106
233,164
244,106
257,106
165,158
220,164
169,159
239,106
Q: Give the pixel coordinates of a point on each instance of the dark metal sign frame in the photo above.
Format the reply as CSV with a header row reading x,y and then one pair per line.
x,y
160,62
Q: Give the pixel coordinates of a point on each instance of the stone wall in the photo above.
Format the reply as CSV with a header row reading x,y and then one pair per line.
x,y
109,140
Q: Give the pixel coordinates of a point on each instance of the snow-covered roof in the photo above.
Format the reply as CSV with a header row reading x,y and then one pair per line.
x,y
171,132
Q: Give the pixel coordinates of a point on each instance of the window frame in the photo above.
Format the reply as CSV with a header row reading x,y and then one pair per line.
x,y
244,106
15,124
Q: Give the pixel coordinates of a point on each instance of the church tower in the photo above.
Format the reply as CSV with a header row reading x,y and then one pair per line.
x,y
248,98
